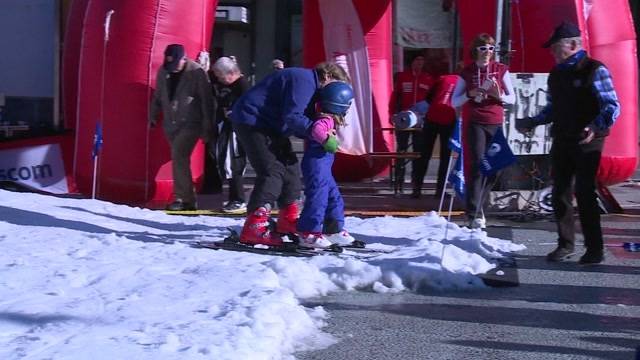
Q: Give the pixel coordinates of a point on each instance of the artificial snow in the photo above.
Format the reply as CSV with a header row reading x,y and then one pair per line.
x,y
92,279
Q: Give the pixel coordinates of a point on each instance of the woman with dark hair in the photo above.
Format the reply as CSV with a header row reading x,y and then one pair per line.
x,y
484,87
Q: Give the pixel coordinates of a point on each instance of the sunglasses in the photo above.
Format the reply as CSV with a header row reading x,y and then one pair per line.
x,y
486,48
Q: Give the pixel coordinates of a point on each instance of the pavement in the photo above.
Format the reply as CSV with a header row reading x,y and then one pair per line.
x,y
558,311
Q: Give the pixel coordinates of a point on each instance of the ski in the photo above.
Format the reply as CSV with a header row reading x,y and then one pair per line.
x,y
366,250
289,248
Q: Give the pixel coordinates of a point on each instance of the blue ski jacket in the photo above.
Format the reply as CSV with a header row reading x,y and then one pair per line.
x,y
282,102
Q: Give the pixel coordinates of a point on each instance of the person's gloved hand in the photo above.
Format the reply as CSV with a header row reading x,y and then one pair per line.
x,y
525,125
331,145
587,135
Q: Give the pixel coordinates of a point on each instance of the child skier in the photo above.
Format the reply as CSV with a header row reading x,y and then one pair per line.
x,y
322,219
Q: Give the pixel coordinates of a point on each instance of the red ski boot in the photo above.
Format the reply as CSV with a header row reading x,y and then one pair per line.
x,y
256,229
288,219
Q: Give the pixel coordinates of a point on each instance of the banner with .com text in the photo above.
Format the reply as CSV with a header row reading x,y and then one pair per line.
x,y
38,167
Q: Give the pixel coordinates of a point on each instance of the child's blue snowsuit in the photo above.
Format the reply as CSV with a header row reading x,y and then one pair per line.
x,y
323,208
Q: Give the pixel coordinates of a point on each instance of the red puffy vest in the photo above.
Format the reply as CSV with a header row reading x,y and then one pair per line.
x,y
440,110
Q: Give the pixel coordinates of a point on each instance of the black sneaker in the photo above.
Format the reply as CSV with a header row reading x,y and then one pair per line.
x,y
591,258
180,205
560,254
234,207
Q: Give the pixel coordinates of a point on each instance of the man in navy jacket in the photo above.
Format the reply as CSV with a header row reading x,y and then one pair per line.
x,y
277,107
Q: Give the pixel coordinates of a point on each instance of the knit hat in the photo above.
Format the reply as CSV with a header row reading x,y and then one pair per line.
x,y
172,56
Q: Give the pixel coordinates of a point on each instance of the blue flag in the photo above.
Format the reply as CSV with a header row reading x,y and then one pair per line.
x,y
456,177
97,140
455,141
498,155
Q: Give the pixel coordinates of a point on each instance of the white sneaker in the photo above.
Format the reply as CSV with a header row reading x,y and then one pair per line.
x,y
341,238
312,240
478,223
234,207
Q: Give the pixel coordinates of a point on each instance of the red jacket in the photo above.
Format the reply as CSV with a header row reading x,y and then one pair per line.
x,y
408,90
441,111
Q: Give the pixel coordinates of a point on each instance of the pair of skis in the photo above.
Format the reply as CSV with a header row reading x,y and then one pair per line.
x,y
288,248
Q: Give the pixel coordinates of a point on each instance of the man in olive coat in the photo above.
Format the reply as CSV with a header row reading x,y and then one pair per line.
x,y
183,94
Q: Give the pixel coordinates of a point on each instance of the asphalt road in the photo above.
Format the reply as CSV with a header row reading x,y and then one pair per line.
x,y
559,311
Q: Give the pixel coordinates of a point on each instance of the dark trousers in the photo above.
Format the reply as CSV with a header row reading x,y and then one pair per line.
x,y
232,161
404,139
182,143
276,166
236,182
478,138
430,133
571,161
212,183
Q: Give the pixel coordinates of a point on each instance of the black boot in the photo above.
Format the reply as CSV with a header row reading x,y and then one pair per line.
x,y
180,205
591,257
560,254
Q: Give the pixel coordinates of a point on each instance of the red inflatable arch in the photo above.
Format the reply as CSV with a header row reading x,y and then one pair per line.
x,y
111,81
134,164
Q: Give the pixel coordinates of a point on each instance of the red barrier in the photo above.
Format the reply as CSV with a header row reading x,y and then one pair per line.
x,y
614,43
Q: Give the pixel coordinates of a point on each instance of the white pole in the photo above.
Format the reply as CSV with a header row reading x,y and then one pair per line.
x,y
446,180
479,206
499,16
95,170
446,229
107,24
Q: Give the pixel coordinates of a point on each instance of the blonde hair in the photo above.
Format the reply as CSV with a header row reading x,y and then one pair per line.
x,y
333,71
339,120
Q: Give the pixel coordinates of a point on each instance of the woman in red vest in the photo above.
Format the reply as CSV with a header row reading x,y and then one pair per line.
x,y
439,122
484,87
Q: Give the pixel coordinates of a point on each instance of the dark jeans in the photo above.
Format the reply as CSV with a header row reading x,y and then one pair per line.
x,y
236,182
403,143
478,137
232,161
430,133
275,164
182,143
571,161
212,183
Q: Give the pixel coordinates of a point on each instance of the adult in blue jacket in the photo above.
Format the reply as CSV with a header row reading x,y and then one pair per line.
x,y
277,107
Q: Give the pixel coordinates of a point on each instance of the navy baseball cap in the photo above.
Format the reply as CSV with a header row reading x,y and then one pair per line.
x,y
172,56
562,31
